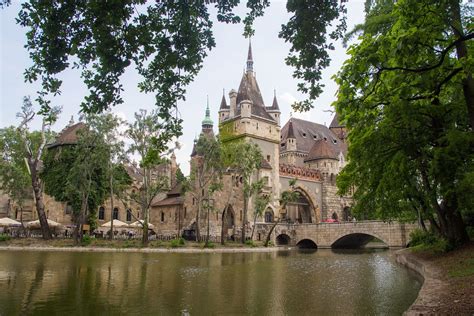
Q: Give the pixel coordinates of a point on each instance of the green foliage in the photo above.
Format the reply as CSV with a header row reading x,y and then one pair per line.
x,y
401,98
428,241
180,177
86,240
209,244
4,237
178,242
250,243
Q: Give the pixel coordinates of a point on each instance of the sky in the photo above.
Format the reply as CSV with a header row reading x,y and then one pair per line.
x,y
222,69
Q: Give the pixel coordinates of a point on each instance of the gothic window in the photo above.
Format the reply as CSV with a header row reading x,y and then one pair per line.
x,y
101,213
129,215
268,217
116,213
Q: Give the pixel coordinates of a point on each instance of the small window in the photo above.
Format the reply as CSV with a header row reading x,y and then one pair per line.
x,y
334,141
282,144
268,158
116,213
129,215
217,216
194,201
240,214
315,137
101,213
304,135
185,212
68,209
162,216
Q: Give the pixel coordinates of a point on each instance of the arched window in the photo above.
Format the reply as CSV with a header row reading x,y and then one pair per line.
x,y
101,213
116,213
268,216
334,216
129,215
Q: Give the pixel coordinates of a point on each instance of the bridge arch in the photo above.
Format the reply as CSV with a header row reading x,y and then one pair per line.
x,y
306,243
356,240
283,240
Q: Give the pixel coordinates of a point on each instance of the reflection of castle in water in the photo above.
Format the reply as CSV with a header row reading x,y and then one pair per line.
x,y
203,284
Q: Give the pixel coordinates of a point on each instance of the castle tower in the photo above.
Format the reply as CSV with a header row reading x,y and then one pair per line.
x,y
248,119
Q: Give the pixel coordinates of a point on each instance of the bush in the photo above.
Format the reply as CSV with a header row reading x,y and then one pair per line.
x,y
175,243
86,240
250,243
470,232
421,237
209,245
428,241
4,237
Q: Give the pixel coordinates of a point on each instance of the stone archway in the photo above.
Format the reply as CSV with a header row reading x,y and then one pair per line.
x,y
283,240
306,244
301,211
356,240
228,221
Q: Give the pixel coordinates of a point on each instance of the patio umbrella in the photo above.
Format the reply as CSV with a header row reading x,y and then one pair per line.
x,y
139,224
36,224
8,222
117,224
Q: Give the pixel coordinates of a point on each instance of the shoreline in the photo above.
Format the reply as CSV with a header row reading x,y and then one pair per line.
x,y
142,250
440,293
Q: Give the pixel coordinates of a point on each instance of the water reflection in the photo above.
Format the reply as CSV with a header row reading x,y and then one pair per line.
x,y
285,282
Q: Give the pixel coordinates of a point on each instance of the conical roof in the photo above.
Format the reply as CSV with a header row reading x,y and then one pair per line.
x,y
290,133
249,90
274,106
223,105
322,149
335,122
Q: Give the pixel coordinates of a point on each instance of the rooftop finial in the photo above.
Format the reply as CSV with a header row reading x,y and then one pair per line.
x,y
250,58
207,120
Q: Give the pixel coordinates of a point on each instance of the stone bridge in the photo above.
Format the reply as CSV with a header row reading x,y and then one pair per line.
x,y
339,235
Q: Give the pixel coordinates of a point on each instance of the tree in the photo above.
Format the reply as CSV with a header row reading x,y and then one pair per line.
x,y
286,197
244,159
14,178
77,174
404,96
149,136
33,155
206,174
260,203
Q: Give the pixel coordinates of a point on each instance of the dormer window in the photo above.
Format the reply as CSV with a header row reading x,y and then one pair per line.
x,y
304,135
334,141
315,137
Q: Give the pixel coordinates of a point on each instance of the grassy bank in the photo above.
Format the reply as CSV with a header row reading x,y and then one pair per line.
x,y
120,243
455,270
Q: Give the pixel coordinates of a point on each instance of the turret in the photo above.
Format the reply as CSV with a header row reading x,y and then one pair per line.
x,y
274,110
290,138
224,109
246,108
233,103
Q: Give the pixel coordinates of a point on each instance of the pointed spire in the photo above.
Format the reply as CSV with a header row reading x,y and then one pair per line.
x,y
223,105
250,58
275,106
207,122
290,133
71,121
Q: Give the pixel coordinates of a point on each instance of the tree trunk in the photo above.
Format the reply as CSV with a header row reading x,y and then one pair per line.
x,y
462,52
198,214
244,219
267,239
223,234
111,182
145,226
38,195
208,224
253,228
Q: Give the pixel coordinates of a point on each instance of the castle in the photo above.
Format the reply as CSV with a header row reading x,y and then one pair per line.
x,y
309,152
